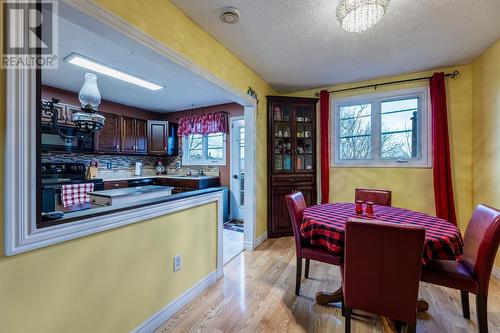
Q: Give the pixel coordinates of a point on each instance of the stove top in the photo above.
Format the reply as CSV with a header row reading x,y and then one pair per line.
x,y
64,173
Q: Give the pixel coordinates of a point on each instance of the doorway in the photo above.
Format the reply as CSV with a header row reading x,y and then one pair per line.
x,y
233,233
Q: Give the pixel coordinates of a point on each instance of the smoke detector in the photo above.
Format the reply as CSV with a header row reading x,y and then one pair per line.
x,y
229,15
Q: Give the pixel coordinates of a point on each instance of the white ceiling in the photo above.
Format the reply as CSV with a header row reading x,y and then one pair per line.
x,y
298,44
82,35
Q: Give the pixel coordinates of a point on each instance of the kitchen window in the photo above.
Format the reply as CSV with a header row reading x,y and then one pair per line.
x,y
208,149
388,129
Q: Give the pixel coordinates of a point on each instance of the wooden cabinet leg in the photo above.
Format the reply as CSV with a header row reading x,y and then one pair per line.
x,y
348,313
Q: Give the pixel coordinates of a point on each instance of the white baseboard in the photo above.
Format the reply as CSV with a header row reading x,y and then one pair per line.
x,y
496,272
156,320
250,247
260,240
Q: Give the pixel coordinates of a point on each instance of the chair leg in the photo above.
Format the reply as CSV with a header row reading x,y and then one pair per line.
x,y
307,268
482,313
348,312
298,276
465,303
411,328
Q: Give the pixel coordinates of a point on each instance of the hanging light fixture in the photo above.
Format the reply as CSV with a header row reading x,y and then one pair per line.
x,y
359,15
87,120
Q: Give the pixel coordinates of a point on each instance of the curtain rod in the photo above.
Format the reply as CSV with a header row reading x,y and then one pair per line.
x,y
453,75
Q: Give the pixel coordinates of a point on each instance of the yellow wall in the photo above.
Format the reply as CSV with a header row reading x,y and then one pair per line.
x,y
413,187
113,281
485,129
108,282
163,21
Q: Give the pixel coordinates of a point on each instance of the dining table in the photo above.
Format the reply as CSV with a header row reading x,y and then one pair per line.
x,y
324,226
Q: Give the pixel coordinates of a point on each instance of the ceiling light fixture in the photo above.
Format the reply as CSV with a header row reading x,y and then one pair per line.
x,y
359,15
229,15
95,66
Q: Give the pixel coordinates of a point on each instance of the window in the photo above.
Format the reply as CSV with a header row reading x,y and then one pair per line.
x,y
209,149
386,129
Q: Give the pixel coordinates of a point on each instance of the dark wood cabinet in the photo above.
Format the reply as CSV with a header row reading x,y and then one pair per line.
x,y
162,138
158,136
111,185
291,157
188,184
107,140
133,135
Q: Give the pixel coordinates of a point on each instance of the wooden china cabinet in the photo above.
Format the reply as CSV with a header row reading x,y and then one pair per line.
x,y
291,157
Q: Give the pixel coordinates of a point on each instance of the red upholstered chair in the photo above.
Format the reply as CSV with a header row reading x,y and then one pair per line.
x,y
304,250
381,274
472,273
379,197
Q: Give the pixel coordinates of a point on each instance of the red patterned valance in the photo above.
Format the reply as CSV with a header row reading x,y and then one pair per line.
x,y
203,124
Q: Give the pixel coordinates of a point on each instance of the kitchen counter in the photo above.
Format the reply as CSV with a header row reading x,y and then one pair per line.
x,y
107,178
124,195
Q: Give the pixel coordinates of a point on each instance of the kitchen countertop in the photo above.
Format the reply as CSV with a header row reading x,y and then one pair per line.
x,y
132,191
111,178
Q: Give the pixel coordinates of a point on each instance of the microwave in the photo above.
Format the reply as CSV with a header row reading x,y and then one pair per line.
x,y
51,141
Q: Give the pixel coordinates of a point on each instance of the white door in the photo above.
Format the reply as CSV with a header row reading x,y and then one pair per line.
x,y
237,167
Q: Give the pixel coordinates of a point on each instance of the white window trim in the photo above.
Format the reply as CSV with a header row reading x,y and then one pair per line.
x,y
425,136
205,160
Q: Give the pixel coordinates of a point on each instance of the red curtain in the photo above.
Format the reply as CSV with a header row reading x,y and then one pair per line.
x,y
324,104
443,187
203,124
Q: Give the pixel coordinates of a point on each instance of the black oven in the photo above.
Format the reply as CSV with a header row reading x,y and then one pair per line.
x,y
51,141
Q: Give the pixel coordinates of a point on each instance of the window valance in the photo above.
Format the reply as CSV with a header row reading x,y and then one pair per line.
x,y
206,123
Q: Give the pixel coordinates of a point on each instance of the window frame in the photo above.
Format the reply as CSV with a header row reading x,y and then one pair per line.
x,y
205,160
424,124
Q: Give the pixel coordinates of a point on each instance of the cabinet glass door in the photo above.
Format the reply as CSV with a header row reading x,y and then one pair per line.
x,y
282,138
304,116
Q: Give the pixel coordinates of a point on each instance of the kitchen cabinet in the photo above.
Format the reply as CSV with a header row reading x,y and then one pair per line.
x,y
162,138
291,157
158,136
107,140
134,135
111,185
188,184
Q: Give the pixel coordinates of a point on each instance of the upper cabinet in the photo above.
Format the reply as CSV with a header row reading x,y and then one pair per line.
x,y
108,139
162,138
126,135
134,135
158,136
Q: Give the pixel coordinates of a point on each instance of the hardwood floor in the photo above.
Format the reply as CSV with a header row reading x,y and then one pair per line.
x,y
233,244
256,294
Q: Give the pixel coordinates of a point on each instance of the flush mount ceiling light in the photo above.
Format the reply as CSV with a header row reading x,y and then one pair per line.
x,y
95,66
359,15
229,15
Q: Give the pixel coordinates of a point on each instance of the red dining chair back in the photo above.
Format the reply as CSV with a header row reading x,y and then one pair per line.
x,y
481,241
382,264
378,197
304,250
296,205
472,273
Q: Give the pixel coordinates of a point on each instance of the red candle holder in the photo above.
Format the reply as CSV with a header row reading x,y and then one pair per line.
x,y
359,207
369,208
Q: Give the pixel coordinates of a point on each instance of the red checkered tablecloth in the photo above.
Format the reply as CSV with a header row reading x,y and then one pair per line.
x,y
324,225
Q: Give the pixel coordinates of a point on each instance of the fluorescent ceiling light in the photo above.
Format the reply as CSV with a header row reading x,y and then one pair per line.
x,y
87,63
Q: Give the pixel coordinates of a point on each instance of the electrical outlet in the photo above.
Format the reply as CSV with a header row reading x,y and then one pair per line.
x,y
177,262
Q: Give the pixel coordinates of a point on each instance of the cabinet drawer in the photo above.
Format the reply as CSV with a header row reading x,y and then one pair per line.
x,y
115,184
278,180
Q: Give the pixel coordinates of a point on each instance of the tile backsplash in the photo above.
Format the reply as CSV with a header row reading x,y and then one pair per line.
x,y
126,163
